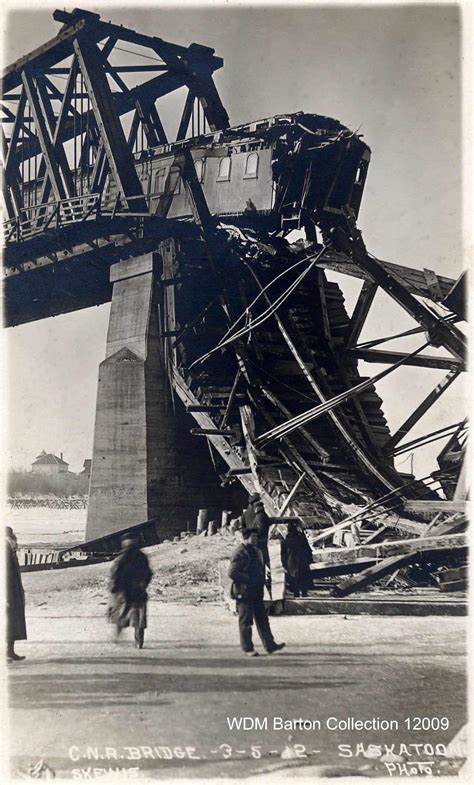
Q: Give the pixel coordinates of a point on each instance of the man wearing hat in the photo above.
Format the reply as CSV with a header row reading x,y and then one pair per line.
x,y
247,573
15,596
129,579
255,517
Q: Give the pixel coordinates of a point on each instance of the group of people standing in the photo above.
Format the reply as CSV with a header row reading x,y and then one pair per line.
x,y
131,574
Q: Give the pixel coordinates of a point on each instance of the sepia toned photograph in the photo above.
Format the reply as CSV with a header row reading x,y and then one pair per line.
x,y
235,453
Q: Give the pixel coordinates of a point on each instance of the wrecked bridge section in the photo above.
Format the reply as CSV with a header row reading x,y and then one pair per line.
x,y
231,360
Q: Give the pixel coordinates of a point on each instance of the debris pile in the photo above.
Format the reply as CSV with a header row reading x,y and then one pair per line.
x,y
399,554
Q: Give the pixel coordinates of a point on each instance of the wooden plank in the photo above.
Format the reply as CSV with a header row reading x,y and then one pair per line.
x,y
380,605
337,480
448,542
460,585
377,535
372,574
328,570
204,408
433,505
452,525
248,430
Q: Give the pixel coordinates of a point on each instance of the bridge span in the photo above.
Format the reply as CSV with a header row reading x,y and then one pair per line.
x,y
231,361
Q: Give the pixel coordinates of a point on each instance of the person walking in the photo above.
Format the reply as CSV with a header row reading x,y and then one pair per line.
x,y
129,580
296,557
15,597
247,573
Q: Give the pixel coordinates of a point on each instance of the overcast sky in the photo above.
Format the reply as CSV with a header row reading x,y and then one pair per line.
x,y
391,72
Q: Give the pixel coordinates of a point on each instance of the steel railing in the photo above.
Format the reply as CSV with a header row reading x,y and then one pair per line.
x,y
50,216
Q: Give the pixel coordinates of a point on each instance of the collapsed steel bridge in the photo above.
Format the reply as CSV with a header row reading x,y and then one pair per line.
x,y
253,338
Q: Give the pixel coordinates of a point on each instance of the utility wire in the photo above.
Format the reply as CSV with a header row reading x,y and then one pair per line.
x,y
265,315
296,422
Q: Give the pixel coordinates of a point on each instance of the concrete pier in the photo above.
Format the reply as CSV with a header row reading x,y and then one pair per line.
x,y
145,463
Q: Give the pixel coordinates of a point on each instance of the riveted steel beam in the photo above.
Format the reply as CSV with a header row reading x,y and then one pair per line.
x,y
421,409
421,360
47,147
118,152
348,237
361,311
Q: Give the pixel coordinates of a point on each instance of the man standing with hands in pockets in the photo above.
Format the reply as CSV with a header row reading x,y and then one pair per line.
x,y
247,572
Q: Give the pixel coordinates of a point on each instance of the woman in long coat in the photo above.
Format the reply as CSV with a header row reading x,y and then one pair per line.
x,y
16,622
129,579
296,557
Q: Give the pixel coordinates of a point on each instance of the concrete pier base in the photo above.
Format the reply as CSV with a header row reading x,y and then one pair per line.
x,y
145,463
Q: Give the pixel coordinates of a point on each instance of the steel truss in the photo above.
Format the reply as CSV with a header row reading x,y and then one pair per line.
x,y
74,122
64,107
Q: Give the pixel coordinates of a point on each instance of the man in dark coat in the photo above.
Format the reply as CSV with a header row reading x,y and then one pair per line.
x,y
129,579
247,572
296,557
16,623
255,517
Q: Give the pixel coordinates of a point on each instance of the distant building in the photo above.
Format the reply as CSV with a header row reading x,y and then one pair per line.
x,y
47,463
87,467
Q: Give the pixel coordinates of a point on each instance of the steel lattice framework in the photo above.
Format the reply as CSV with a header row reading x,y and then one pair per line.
x,y
83,111
89,109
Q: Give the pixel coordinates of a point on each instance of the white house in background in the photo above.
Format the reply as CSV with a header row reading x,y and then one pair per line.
x,y
47,463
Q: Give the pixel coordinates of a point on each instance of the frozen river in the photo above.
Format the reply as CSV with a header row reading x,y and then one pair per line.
x,y
41,525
